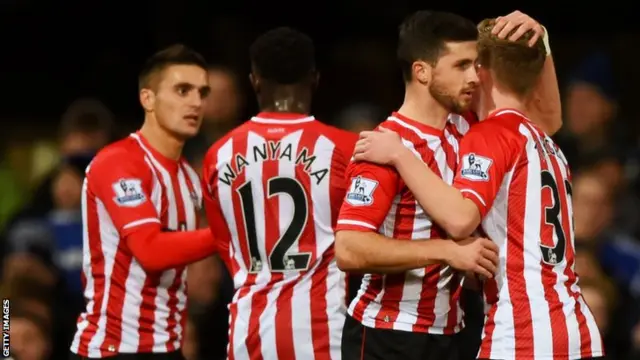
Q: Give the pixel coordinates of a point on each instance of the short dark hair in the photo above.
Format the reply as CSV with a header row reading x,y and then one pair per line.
x,y
283,55
177,54
423,36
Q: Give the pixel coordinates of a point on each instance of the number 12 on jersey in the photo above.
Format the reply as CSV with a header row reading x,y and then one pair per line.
x,y
280,258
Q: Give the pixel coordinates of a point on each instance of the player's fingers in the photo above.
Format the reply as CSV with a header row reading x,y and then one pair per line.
x,y
491,256
483,272
522,29
361,147
508,27
539,32
499,24
366,134
490,245
489,266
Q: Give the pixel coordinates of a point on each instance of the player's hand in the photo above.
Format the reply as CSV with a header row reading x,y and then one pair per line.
x,y
475,254
381,146
523,22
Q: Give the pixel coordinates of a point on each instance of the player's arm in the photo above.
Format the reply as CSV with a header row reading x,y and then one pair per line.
x,y
124,186
456,211
215,216
359,248
457,215
545,107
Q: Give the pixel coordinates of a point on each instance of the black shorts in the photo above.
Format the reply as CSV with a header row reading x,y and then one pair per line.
x,y
174,355
363,343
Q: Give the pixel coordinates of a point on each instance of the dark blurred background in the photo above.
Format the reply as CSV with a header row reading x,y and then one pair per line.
x,y
69,80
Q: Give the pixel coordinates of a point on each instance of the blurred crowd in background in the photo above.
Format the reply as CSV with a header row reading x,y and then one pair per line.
x,y
41,180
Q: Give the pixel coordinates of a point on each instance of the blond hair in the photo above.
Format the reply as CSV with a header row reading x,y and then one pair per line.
x,y
516,65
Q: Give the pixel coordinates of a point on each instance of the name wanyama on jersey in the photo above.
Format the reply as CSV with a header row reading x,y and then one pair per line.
x,y
271,150
280,259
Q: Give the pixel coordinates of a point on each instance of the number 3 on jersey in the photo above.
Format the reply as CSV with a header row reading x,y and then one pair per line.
x,y
280,259
556,254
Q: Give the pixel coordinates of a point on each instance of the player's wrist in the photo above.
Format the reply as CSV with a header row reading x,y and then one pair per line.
x,y
439,251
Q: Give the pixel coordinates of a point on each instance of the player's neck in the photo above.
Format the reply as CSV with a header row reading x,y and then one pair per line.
x,y
423,108
161,141
285,105
503,100
285,99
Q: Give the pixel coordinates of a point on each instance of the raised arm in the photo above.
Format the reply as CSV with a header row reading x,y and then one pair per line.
x,y
545,107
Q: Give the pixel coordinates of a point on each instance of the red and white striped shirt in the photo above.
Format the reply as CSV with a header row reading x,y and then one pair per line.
x,y
421,300
275,186
128,309
521,183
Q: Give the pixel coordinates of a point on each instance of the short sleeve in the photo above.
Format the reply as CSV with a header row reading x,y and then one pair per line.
x,y
123,184
369,196
484,161
345,143
215,216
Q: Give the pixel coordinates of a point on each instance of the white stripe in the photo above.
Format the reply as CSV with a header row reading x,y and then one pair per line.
x,y
282,121
357,223
109,240
325,151
474,193
140,222
86,269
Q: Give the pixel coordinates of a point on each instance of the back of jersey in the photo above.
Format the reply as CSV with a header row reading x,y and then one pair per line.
x,y
274,189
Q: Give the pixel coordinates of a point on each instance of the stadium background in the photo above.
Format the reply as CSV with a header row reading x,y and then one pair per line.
x,y
69,82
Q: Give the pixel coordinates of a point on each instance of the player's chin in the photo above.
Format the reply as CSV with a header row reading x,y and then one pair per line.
x,y
463,105
187,132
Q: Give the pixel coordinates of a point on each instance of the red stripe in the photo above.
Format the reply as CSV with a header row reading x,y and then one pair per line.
x,y
97,272
115,302
394,283
320,332
491,297
557,317
172,291
585,335
516,280
149,291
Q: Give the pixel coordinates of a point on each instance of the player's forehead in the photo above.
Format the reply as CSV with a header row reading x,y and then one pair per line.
x,y
184,74
455,51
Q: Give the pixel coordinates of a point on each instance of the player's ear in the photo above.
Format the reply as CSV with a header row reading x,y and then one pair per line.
x,y
255,82
147,99
422,71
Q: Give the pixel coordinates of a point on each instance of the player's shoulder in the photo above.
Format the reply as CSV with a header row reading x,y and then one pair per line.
x,y
344,139
119,153
500,123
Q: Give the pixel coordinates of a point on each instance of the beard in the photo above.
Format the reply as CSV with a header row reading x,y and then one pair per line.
x,y
446,99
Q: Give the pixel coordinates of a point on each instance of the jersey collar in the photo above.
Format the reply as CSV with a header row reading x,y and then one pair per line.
x,y
281,118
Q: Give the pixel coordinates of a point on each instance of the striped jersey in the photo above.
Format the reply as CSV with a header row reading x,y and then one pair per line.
x,y
128,310
421,300
274,186
521,183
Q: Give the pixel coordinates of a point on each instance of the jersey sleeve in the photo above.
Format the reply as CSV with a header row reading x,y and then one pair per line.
x,y
369,196
345,143
215,216
484,161
124,185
